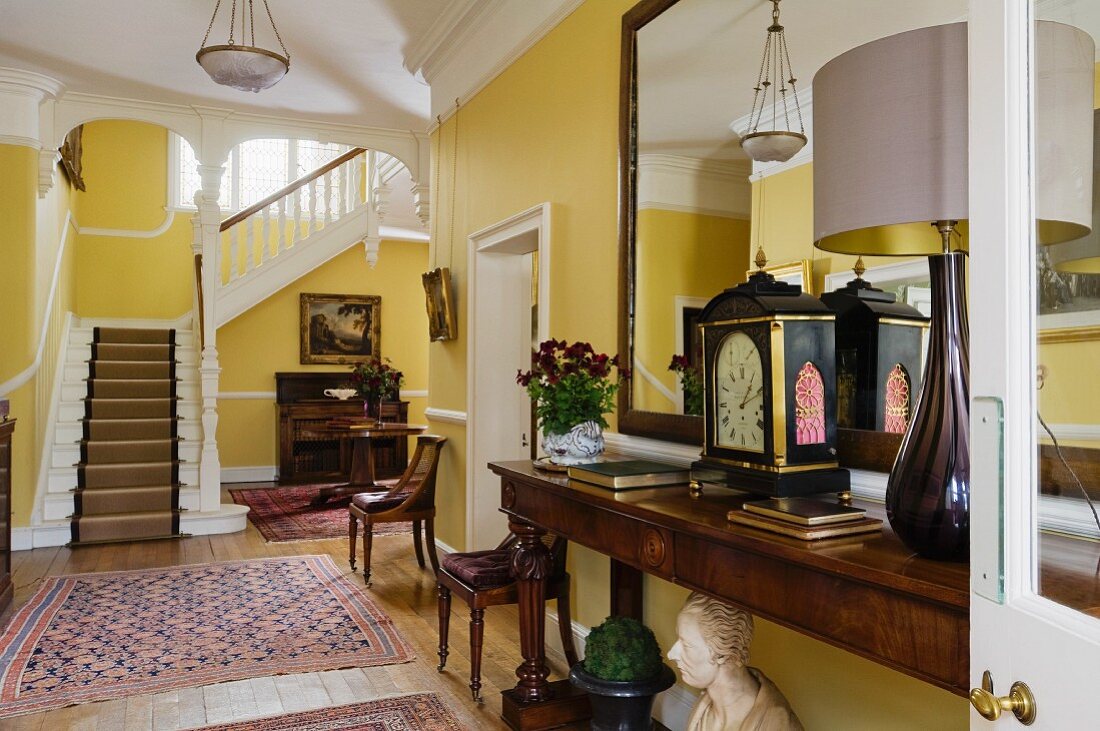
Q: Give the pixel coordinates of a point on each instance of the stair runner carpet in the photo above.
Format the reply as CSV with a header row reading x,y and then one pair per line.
x,y
128,475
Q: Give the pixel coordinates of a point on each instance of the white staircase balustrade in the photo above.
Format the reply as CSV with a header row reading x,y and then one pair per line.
x,y
314,219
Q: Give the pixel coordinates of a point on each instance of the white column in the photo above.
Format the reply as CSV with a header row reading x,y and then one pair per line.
x,y
209,215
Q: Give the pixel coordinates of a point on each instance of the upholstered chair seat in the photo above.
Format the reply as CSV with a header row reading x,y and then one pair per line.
x,y
480,569
376,502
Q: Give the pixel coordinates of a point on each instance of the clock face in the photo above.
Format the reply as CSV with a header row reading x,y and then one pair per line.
x,y
738,394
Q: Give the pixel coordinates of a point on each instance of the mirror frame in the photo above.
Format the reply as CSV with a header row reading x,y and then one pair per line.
x,y
856,448
655,425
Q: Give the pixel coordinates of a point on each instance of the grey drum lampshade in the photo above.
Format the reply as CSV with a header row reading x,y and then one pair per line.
x,y
891,140
1082,256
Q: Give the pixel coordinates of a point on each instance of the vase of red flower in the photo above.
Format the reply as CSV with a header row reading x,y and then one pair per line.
x,y
376,381
572,388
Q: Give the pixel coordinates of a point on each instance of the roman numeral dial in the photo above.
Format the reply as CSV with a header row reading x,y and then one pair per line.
x,y
739,385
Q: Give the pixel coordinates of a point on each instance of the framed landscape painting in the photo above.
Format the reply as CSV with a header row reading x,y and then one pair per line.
x,y
340,328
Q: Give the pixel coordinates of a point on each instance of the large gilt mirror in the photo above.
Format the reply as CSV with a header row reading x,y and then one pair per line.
x,y
693,209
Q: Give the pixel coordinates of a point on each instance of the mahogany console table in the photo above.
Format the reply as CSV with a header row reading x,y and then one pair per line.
x,y
866,594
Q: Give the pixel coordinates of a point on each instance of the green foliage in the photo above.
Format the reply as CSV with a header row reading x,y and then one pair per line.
x,y
691,381
570,384
622,649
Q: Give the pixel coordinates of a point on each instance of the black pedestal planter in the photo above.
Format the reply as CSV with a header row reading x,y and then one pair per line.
x,y
621,705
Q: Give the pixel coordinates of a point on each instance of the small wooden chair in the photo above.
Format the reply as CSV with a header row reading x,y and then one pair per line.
x,y
484,579
411,499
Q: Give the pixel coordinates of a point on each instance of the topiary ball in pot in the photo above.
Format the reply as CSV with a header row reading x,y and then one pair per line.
x,y
622,671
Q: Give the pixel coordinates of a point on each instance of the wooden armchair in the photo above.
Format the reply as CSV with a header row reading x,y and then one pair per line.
x,y
411,499
484,579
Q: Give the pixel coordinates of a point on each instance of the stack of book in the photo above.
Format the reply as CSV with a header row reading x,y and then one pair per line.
x,y
807,519
630,474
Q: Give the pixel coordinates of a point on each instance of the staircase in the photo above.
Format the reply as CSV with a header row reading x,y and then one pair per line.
x,y
248,257
69,447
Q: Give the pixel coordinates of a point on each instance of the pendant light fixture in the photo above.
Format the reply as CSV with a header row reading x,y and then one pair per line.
x,y
243,67
777,144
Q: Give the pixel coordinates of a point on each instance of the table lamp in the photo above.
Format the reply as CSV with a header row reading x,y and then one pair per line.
x,y
890,178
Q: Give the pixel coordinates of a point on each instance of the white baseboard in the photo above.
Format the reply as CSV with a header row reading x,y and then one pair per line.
x,y
267,473
42,536
444,547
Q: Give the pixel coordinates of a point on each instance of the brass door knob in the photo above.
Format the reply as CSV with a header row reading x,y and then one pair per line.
x,y
1019,700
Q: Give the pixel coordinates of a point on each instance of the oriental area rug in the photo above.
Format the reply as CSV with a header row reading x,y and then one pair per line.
x,y
283,514
93,637
420,712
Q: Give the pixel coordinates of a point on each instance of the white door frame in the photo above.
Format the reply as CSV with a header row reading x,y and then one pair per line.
x,y
1014,633
493,399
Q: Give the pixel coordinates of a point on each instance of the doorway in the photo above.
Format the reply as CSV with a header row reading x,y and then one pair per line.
x,y
509,285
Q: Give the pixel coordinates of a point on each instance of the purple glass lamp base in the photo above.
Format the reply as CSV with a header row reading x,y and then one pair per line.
x,y
928,494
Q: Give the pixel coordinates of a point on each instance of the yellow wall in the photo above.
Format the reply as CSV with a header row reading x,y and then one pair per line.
x,y
546,130
685,254
265,339
126,175
28,258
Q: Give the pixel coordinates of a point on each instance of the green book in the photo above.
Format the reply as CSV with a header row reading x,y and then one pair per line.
x,y
630,473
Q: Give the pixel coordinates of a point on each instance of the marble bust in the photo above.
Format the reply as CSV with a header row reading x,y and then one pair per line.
x,y
712,652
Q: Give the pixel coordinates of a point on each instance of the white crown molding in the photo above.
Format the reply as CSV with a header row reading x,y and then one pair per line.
x,y
22,112
477,42
196,124
436,47
34,84
805,155
27,373
169,217
445,415
693,185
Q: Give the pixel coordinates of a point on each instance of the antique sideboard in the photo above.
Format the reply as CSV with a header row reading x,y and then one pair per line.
x,y
867,595
305,456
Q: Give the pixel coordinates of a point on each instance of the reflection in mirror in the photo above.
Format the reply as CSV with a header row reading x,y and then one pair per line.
x,y
1067,296
695,209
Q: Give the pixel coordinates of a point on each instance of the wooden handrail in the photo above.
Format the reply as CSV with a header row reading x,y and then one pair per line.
x,y
291,187
202,316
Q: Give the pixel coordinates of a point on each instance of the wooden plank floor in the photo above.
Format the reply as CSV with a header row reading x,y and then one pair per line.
x,y
405,591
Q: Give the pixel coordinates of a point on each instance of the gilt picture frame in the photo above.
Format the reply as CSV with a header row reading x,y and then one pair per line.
x,y
441,309
339,328
799,272
71,153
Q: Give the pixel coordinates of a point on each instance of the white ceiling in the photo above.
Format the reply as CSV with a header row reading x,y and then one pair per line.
x,y
346,56
698,62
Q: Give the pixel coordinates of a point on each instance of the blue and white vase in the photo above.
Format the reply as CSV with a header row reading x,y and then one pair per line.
x,y
583,443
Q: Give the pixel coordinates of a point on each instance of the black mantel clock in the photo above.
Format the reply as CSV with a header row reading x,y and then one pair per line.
x,y
878,356
769,377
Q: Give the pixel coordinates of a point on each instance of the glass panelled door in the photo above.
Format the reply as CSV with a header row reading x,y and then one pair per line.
x,y
1035,353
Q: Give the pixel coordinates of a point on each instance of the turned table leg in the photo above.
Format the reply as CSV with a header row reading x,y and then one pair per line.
x,y
531,566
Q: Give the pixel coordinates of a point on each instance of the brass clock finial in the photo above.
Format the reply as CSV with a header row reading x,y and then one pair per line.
x,y
761,259
859,269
